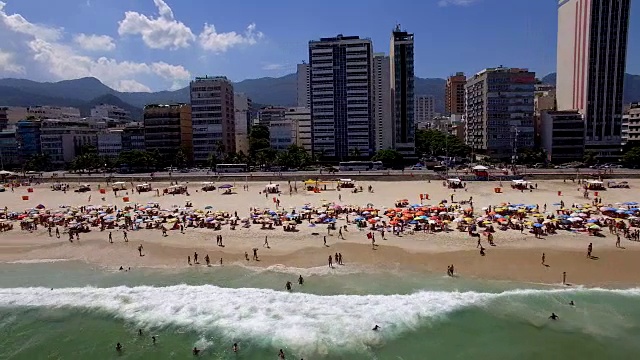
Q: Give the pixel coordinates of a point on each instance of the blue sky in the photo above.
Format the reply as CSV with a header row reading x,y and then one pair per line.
x,y
141,45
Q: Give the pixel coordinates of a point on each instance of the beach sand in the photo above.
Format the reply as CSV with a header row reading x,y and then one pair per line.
x,y
516,257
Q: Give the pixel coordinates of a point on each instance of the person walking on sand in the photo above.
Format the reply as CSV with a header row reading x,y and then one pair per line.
x,y
340,234
589,250
617,240
140,249
110,238
57,233
325,240
195,257
543,259
207,260
126,238
340,259
266,242
188,259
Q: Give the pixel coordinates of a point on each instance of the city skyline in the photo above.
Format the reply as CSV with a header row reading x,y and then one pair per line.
x,y
163,44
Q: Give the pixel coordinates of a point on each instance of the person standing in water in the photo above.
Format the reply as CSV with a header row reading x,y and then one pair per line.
x,y
118,347
288,286
189,259
207,260
195,257
300,280
330,261
281,355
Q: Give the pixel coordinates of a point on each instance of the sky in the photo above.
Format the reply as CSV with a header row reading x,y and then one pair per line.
x,y
151,45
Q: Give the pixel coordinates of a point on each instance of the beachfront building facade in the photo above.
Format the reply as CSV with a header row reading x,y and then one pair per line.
x,y
213,117
270,113
28,138
591,63
631,126
282,134
341,97
133,137
302,85
499,111
424,109
9,154
167,129
300,117
242,114
382,105
110,143
63,140
402,90
562,135
454,94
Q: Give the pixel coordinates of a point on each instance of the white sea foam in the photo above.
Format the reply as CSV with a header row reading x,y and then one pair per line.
x,y
37,261
302,322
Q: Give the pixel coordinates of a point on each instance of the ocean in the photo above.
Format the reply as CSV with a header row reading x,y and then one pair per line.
x,y
69,310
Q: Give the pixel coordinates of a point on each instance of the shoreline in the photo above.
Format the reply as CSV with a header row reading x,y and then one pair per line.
x,y
613,268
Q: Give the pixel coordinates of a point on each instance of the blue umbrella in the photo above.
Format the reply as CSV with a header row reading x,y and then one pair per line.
x,y
226,186
537,225
557,204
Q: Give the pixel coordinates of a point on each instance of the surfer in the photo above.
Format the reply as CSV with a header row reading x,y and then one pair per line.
x,y
195,351
118,347
554,316
300,280
376,328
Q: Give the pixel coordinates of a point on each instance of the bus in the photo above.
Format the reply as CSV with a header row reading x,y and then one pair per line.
x,y
231,168
361,165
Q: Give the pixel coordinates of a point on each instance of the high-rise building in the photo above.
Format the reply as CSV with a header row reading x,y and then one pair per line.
x,y
4,119
592,53
213,117
300,117
499,111
402,89
424,109
454,94
631,126
303,85
242,120
270,113
341,96
382,106
168,128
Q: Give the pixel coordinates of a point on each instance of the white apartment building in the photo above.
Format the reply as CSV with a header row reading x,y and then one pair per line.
x,y
213,117
63,139
300,117
282,134
303,85
53,112
424,109
631,126
110,143
111,112
382,102
341,96
242,116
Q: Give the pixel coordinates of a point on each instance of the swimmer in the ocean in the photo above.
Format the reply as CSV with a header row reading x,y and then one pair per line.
x,y
196,351
139,332
153,339
281,354
300,280
235,347
571,303
118,347
553,316
288,286
376,328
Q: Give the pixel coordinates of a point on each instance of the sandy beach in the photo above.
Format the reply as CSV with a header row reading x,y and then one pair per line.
x,y
516,256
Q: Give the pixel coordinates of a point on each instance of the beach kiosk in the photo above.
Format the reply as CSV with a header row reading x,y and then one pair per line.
x,y
481,172
520,184
595,185
208,186
119,185
454,183
346,184
143,188
272,188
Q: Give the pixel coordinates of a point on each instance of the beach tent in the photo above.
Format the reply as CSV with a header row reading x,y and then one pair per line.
x,y
480,168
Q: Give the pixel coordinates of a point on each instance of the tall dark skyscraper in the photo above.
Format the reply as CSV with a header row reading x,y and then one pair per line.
x,y
402,89
592,53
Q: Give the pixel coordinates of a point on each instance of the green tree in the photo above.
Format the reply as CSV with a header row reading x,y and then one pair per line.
x,y
531,156
180,159
631,158
258,139
294,157
390,158
39,162
436,143
590,157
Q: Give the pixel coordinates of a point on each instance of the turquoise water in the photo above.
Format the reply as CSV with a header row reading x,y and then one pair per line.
x,y
69,310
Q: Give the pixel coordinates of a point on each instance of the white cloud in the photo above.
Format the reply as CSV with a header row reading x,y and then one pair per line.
x,y
41,50
157,33
19,24
7,63
211,40
273,67
131,86
95,42
443,3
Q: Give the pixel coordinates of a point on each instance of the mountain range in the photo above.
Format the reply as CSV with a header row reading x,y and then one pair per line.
x,y
85,93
